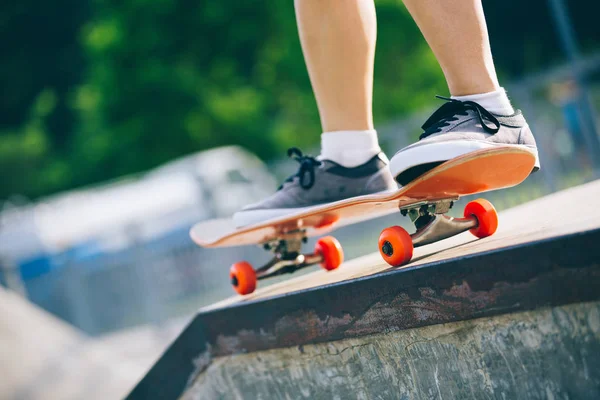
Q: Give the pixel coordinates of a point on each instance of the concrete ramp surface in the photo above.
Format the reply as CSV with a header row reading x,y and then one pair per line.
x,y
516,315
42,357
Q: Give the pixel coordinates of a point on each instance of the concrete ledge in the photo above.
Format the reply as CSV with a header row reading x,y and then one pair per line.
x,y
549,272
543,354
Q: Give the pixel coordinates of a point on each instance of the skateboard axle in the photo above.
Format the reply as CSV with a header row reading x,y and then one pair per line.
x,y
287,257
432,224
440,226
278,266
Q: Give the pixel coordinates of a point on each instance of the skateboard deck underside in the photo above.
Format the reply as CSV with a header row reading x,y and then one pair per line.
x,y
477,172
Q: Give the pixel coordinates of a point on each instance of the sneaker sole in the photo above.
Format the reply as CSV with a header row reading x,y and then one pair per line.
x,y
444,151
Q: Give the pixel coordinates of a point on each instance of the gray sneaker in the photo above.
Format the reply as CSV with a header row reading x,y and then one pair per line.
x,y
458,128
319,182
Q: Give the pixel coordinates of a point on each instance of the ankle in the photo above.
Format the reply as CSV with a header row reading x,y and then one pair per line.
x,y
496,101
349,148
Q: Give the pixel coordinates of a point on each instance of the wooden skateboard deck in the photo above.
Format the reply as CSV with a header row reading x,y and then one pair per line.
x,y
480,171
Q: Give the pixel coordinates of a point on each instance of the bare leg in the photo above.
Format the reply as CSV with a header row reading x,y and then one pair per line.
x,y
338,41
457,33
481,117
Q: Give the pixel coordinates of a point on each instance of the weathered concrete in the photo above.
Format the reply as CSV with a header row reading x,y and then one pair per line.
x,y
42,357
549,353
547,273
368,329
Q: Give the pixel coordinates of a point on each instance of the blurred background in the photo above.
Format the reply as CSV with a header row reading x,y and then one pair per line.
x,y
123,123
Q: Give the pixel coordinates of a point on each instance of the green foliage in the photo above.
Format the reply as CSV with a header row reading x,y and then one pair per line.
x,y
94,90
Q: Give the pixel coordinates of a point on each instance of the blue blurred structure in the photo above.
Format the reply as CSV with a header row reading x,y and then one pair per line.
x,y
583,104
85,255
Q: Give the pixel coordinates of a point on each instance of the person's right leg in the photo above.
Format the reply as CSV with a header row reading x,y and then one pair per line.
x,y
338,41
457,34
480,115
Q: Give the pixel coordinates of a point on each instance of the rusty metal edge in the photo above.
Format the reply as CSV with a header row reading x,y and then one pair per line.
x,y
549,272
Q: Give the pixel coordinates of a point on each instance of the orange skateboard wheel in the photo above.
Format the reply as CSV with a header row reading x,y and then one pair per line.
x,y
331,250
243,277
395,246
486,215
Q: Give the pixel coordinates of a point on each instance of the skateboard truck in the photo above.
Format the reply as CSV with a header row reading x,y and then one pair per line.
x,y
441,227
396,244
433,225
287,258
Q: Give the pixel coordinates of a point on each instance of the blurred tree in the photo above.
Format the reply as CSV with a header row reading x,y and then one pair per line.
x,y
523,34
42,62
168,78
94,90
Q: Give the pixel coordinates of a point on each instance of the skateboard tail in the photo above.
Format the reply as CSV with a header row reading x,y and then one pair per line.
x,y
495,171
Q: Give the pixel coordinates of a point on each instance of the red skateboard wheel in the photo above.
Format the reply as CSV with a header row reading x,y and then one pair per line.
x,y
486,215
395,246
243,277
331,251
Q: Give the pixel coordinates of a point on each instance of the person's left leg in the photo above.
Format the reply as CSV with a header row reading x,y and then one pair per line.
x,y
480,114
338,42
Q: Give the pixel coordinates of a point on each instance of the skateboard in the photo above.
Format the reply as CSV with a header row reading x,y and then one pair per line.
x,y
425,200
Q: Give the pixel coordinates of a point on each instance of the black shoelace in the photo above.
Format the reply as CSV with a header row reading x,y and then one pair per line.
x,y
447,113
306,172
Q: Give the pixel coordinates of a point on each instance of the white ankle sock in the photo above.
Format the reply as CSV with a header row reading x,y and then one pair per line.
x,y
349,148
496,102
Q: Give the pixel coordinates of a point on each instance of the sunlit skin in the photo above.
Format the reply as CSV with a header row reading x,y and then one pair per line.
x,y
338,41
457,34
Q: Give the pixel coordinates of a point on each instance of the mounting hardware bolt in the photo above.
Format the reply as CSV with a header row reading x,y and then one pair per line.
x,y
387,248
